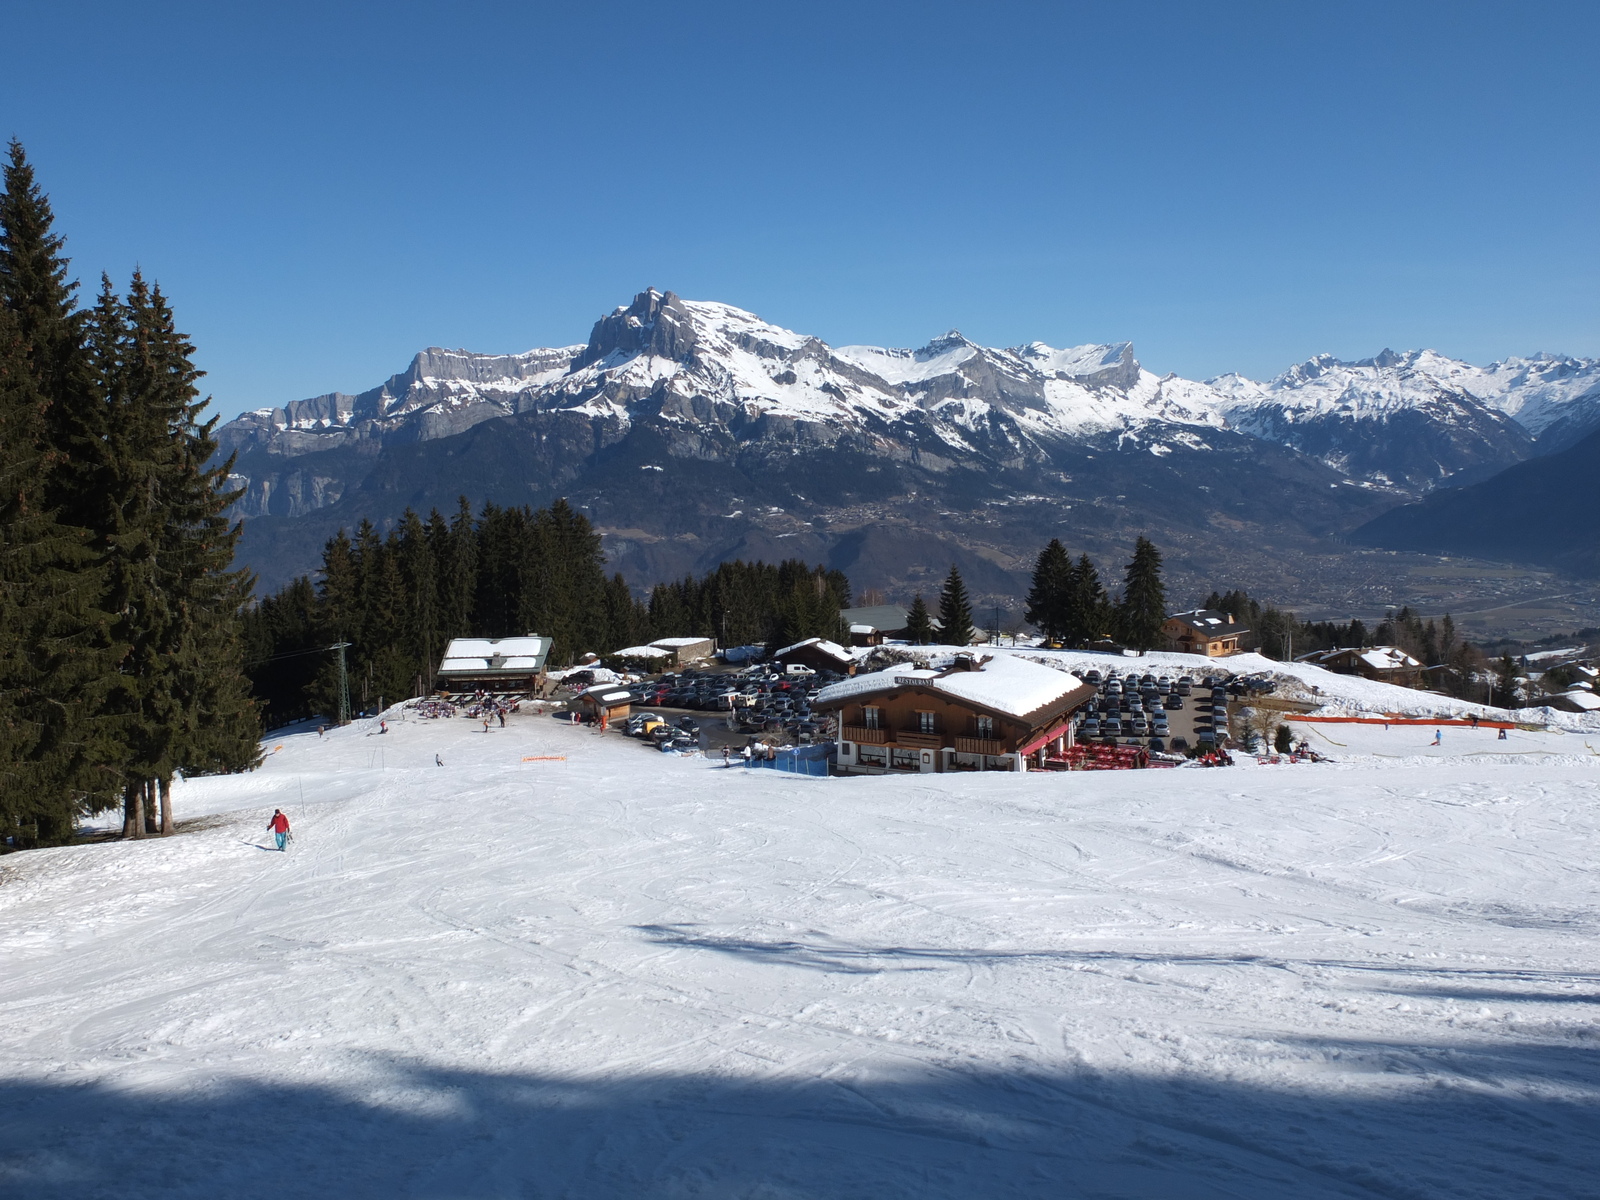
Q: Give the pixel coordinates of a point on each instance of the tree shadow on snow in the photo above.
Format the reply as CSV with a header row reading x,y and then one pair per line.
x,y
819,952
1508,1121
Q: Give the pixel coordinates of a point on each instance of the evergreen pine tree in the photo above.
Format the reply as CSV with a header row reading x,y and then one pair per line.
x,y
955,611
1087,607
919,621
1144,598
1049,597
56,657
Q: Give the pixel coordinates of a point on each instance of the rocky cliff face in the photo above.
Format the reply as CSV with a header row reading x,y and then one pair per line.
x,y
693,431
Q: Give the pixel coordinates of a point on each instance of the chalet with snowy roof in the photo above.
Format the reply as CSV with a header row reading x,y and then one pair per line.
x,y
1579,698
508,664
989,713
686,649
605,703
875,624
1389,664
1203,631
817,653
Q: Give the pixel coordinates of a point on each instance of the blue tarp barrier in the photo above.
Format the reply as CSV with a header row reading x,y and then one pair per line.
x,y
798,760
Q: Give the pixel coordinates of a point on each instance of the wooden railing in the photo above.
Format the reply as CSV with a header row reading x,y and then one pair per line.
x,y
918,740
971,745
860,733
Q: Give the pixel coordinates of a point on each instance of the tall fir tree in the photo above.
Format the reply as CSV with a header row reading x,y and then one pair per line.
x,y
56,656
1049,596
1144,598
1087,607
919,621
955,611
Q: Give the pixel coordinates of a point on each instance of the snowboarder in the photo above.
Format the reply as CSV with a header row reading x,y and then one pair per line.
x,y
437,761
280,828
383,726
1502,736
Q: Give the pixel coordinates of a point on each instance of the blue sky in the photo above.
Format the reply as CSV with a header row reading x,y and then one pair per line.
x,y
324,189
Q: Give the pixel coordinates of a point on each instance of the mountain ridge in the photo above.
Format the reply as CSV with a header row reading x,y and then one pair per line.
x,y
720,407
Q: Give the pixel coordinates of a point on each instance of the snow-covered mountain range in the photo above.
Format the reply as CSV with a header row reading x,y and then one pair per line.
x,y
1403,420
682,386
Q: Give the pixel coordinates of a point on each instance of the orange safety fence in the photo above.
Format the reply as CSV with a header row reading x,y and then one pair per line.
x,y
544,758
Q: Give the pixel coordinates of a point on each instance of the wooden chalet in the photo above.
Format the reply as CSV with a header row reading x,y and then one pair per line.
x,y
1203,631
1390,664
508,664
875,624
992,713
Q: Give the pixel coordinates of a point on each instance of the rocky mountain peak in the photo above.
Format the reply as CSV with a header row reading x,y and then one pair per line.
x,y
656,323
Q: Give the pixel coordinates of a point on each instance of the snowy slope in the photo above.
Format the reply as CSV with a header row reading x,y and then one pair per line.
x,y
621,974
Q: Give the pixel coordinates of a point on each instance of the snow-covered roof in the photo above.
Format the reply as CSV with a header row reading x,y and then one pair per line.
x,y
678,643
491,656
830,648
1388,658
1002,683
1578,698
1379,658
641,652
1210,622
608,693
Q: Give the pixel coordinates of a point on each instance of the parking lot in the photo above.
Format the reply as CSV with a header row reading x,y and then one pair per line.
x,y
1162,713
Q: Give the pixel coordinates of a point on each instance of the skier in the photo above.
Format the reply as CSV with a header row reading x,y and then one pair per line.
x,y
727,757
1502,736
501,713
280,828
1474,719
437,761
1438,737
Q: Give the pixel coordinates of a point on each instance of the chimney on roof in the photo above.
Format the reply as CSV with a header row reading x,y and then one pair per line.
x,y
1230,618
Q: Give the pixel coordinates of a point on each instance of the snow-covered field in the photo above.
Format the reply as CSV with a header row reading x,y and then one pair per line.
x,y
621,974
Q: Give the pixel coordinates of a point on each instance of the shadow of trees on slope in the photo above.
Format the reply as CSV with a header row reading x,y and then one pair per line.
x,y
1500,1122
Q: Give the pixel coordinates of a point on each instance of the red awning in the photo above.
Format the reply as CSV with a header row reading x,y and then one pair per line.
x,y
1048,735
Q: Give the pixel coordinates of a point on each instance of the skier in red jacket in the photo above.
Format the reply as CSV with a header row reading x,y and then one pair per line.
x,y
280,828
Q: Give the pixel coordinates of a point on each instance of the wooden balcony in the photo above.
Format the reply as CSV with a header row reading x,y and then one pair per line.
x,y
971,745
860,733
918,741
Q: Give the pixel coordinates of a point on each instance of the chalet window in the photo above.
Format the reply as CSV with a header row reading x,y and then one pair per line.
x,y
925,723
870,717
985,726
